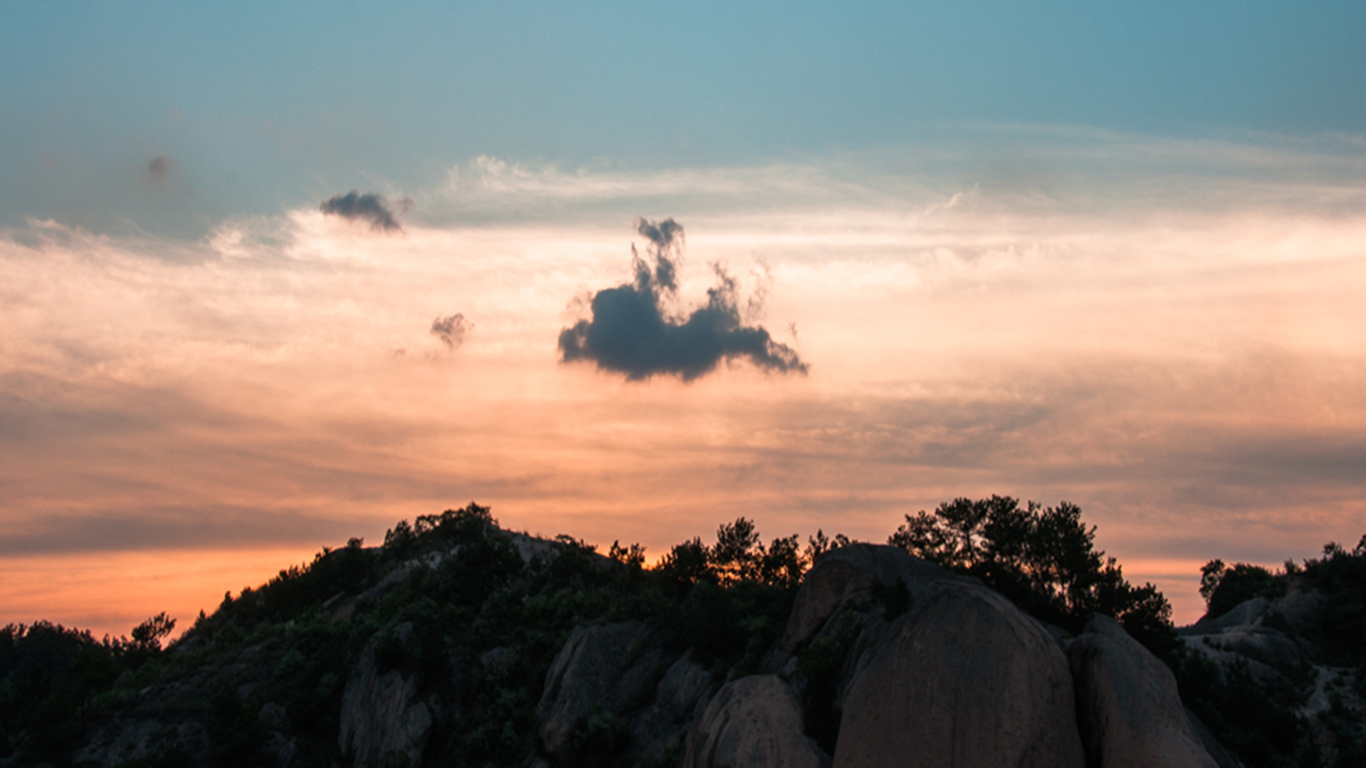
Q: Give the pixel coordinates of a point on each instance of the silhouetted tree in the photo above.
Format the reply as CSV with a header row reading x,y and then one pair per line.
x,y
1042,558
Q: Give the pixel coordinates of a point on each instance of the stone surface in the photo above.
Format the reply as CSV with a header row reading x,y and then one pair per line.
x,y
1245,614
380,720
608,668
1213,648
1130,712
1299,610
1263,644
679,699
753,722
1216,750
846,573
964,679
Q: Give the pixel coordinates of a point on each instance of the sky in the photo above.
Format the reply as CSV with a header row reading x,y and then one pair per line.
x,y
273,278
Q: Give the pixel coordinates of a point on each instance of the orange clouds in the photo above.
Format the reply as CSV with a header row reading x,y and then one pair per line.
x,y
1189,371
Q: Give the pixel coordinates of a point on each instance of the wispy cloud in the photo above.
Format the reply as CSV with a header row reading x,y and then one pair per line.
x,y
1189,372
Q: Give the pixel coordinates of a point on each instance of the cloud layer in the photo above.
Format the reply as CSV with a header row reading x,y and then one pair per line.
x,y
631,331
1190,374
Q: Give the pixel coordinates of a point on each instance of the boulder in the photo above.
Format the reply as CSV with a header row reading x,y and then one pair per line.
x,y
1245,614
607,668
679,699
1299,610
1263,644
964,679
845,574
1216,649
1127,703
381,722
753,722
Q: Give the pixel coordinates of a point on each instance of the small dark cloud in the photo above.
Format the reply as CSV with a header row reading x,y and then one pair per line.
x,y
368,207
451,330
158,168
630,332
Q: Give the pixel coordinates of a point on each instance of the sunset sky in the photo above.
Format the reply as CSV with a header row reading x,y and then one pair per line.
x,y
1109,255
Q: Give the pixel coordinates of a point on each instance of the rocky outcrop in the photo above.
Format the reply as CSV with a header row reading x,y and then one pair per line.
x,y
1131,714
381,720
1278,643
602,670
963,679
753,722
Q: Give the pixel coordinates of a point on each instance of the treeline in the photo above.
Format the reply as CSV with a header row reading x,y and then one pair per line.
x,y
49,675
491,608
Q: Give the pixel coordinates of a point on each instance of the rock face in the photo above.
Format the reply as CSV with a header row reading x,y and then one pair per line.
x,y
380,721
1128,705
964,679
753,722
678,701
1248,612
600,670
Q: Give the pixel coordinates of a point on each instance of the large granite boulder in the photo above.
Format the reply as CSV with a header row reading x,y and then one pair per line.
x,y
382,723
1130,712
847,574
962,680
753,722
602,670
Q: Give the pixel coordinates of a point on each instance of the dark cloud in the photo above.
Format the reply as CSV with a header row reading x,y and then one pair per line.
x,y
630,332
158,168
451,330
368,207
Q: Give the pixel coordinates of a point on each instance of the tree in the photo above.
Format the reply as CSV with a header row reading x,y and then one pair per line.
x,y
739,556
147,636
1042,558
1224,588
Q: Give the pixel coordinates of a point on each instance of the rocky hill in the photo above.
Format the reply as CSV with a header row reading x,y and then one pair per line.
x,y
459,643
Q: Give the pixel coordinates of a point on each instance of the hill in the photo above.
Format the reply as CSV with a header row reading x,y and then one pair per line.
x,y
459,643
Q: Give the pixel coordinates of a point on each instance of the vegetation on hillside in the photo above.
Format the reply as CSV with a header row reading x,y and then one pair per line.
x,y
483,613
51,676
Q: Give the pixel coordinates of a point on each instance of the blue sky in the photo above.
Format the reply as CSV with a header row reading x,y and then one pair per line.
x,y
259,106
